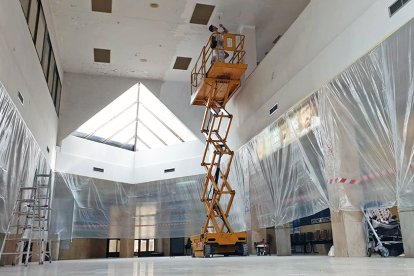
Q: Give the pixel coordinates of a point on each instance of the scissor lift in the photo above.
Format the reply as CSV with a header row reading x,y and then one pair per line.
x,y
212,86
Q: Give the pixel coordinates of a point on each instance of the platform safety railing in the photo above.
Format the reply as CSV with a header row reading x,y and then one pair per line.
x,y
233,44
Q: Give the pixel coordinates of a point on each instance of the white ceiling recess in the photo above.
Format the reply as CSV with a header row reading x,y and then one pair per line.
x,y
145,41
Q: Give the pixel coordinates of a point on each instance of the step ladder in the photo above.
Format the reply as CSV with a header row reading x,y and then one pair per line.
x,y
27,235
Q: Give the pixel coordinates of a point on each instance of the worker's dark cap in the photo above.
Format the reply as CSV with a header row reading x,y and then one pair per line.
x,y
211,28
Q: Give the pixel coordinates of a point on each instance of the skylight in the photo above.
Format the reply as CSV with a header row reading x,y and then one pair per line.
x,y
136,120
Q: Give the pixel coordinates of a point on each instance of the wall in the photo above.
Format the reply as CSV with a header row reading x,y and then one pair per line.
x,y
79,156
20,70
286,14
84,249
185,158
85,95
326,38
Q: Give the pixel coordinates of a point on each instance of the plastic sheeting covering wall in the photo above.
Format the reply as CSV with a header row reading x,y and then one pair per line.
x,y
348,146
93,208
20,156
279,175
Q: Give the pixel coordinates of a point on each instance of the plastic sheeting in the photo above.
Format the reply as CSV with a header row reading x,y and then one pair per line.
x,y
347,146
281,171
368,127
94,208
20,156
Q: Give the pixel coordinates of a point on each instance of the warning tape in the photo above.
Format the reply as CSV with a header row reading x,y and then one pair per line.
x,y
368,177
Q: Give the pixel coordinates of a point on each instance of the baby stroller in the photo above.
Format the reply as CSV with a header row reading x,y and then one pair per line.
x,y
262,248
383,232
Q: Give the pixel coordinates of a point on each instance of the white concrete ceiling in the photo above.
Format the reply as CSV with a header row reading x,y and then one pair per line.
x,y
135,32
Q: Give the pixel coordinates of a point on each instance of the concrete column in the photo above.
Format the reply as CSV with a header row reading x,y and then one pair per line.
x,y
55,250
250,47
166,246
283,245
348,234
344,162
126,248
407,229
159,245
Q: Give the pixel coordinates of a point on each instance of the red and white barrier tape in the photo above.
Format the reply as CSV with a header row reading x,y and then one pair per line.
x,y
364,178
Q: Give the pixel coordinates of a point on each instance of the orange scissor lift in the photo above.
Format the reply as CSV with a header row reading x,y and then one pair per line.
x,y
212,86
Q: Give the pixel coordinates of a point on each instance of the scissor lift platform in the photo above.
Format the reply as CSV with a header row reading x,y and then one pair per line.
x,y
212,86
227,78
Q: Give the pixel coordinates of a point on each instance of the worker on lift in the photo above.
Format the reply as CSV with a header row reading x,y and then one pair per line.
x,y
217,43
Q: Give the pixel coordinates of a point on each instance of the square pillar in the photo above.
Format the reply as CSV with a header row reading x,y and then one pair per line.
x,y
348,233
407,230
126,248
283,245
166,244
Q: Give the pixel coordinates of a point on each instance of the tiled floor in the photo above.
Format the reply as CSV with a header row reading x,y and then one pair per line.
x,y
256,266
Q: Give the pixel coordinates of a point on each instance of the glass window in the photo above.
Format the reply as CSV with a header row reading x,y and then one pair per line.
x,y
141,145
136,245
54,87
164,114
51,72
118,124
143,246
137,117
40,35
58,96
151,245
114,246
34,8
36,22
149,118
25,6
125,135
46,54
148,136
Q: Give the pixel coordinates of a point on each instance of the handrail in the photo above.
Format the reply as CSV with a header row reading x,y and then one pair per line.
x,y
204,61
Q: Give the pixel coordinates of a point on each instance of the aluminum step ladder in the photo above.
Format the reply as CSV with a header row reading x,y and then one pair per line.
x,y
27,235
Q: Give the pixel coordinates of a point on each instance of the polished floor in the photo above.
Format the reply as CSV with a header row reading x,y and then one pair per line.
x,y
294,266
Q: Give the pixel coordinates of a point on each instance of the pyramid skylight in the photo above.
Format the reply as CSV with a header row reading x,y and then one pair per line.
x,y
136,120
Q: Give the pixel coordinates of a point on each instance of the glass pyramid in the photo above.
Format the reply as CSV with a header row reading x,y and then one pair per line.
x,y
136,120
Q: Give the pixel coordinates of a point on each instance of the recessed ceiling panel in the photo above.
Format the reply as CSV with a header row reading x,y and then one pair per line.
x,y
102,6
135,32
202,14
182,63
102,55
